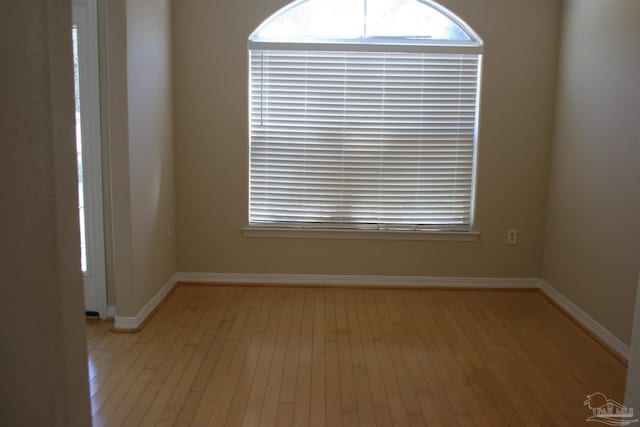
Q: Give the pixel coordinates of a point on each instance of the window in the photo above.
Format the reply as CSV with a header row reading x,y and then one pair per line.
x,y
363,115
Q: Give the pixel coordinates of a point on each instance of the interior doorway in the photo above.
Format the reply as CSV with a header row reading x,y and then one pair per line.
x,y
88,147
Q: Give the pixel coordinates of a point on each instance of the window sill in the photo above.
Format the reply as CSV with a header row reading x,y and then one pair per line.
x,y
318,233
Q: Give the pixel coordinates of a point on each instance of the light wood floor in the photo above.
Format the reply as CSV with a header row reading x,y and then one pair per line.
x,y
268,356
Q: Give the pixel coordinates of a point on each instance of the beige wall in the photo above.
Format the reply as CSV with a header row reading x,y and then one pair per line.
x,y
142,162
151,167
43,360
592,245
210,86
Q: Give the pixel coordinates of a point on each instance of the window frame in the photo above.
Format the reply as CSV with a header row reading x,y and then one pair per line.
x,y
371,44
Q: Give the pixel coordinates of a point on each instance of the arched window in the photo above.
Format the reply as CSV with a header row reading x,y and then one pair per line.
x,y
363,115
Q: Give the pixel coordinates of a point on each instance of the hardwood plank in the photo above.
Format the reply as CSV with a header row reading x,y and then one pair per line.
x,y
238,319
242,366
366,413
249,395
276,370
256,390
438,392
285,414
318,405
180,391
302,403
395,399
332,384
170,365
374,370
350,415
289,376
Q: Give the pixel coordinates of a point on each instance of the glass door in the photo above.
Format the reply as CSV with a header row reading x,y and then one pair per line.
x,y
87,115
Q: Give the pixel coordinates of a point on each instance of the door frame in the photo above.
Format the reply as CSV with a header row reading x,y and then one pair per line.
x,y
85,17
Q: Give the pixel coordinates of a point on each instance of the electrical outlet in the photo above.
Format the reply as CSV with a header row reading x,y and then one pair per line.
x,y
168,233
512,236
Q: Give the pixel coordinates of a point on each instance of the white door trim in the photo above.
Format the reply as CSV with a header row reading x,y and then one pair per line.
x,y
85,16
632,389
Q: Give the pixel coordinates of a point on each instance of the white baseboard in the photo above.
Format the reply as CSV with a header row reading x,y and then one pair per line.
x,y
133,323
125,323
111,311
360,280
587,321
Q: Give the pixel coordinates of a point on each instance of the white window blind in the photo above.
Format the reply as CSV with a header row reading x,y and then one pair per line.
x,y
380,140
